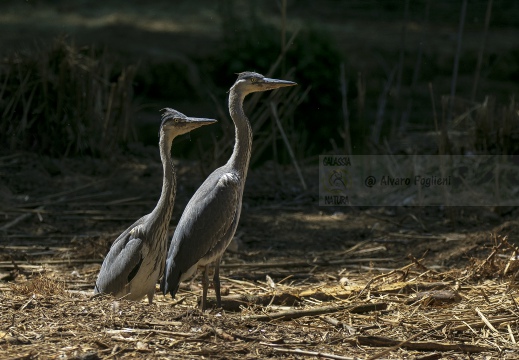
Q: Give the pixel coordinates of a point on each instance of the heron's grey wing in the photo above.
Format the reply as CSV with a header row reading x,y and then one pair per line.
x,y
207,218
122,262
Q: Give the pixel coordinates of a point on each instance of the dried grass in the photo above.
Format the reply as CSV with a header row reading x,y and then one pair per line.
x,y
41,285
63,100
411,312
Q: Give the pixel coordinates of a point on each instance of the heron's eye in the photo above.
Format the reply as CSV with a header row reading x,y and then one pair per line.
x,y
177,120
252,80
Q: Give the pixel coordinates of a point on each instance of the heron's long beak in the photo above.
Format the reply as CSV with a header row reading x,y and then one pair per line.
x,y
201,121
276,83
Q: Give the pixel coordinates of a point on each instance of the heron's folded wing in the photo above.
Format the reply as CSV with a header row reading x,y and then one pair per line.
x,y
207,218
121,263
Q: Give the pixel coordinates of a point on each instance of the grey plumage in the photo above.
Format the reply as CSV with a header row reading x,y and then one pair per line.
x,y
136,259
209,221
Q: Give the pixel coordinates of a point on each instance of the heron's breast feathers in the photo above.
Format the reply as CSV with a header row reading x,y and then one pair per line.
x,y
229,179
138,232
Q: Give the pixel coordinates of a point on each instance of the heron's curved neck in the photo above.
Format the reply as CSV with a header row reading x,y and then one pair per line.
x,y
242,147
162,212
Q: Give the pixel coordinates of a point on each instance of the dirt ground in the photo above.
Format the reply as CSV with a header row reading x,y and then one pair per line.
x,y
300,281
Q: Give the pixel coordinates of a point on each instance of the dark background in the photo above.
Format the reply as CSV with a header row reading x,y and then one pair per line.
x,y
395,55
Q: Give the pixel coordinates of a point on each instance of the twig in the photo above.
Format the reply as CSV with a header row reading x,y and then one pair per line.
x,y
276,347
122,201
294,314
147,331
381,276
419,264
434,297
485,320
287,143
354,247
19,219
419,345
220,333
163,323
339,324
480,324
489,258
435,356
27,303
416,237
70,191
512,338
289,264
199,338
69,200
234,303
382,353
39,262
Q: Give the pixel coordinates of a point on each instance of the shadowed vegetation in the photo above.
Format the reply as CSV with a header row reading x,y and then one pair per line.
x,y
63,100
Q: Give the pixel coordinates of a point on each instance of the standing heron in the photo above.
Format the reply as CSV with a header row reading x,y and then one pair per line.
x,y
209,221
136,259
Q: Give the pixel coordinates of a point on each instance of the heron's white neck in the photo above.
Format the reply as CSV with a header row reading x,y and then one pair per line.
x,y
239,160
162,212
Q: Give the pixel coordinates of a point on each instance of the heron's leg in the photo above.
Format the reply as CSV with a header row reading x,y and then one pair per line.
x,y
216,283
205,285
150,296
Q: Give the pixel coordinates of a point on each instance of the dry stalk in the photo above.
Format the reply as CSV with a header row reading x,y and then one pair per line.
x,y
345,133
481,51
294,314
287,144
457,58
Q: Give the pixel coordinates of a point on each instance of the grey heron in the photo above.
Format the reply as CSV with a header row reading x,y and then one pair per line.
x,y
209,220
136,258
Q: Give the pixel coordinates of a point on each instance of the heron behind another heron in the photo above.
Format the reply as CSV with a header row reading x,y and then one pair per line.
x,y
136,259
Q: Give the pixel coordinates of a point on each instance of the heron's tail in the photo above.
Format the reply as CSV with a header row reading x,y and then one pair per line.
x,y
170,280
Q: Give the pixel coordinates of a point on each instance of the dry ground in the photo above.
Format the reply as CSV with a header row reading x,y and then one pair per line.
x,y
299,282
342,283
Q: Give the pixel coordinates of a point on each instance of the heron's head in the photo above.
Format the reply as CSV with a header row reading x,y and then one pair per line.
x,y
249,82
176,123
